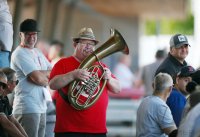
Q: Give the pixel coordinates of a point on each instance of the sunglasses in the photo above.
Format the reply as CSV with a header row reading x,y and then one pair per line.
x,y
3,85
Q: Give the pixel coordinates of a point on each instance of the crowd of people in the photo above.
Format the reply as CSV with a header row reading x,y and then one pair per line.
x,y
172,109
30,75
35,87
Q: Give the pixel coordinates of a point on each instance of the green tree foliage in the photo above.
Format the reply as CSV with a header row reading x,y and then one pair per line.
x,y
185,26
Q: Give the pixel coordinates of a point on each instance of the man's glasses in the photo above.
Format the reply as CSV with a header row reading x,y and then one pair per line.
x,y
88,44
3,85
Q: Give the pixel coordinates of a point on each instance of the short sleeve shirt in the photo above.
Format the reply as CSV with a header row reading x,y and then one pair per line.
x,y
29,97
186,126
68,119
153,115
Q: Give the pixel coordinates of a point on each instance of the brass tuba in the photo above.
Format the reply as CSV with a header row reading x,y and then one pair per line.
x,y
83,94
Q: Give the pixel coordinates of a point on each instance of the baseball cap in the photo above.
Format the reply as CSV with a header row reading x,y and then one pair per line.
x,y
196,77
29,25
186,71
178,40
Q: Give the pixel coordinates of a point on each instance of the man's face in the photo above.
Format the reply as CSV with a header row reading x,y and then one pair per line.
x,y
3,85
181,52
11,84
85,48
29,38
181,83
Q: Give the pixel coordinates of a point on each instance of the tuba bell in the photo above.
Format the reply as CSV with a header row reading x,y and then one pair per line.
x,y
83,94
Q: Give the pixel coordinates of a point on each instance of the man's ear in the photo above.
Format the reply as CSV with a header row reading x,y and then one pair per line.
x,y
177,78
170,89
74,44
20,34
152,85
172,50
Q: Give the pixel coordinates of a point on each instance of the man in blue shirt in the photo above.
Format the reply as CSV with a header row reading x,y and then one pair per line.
x,y
177,98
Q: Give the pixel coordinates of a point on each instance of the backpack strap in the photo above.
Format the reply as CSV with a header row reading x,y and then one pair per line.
x,y
63,95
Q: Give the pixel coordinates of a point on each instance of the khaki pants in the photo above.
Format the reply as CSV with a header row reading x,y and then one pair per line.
x,y
33,124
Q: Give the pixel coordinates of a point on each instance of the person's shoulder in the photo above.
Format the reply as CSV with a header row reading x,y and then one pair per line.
x,y
16,51
165,67
175,91
158,101
174,95
166,62
19,52
152,99
64,61
150,67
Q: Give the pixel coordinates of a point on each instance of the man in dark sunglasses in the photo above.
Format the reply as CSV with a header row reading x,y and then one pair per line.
x,y
3,85
11,84
8,124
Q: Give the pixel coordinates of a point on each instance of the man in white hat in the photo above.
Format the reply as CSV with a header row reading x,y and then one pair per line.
x,y
70,121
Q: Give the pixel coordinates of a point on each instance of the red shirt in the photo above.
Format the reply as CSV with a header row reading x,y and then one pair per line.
x,y
68,119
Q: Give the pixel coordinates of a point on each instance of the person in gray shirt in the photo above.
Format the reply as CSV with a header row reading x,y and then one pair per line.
x,y
148,71
32,70
154,118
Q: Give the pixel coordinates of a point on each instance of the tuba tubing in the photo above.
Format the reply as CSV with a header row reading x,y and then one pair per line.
x,y
114,44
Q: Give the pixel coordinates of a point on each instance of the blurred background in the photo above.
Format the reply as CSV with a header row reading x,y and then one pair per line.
x,y
146,25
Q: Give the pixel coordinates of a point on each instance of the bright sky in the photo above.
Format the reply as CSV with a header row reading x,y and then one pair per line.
x,y
150,44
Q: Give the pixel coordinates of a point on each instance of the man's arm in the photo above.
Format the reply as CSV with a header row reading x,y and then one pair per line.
x,y
112,83
62,80
169,130
16,123
39,77
9,127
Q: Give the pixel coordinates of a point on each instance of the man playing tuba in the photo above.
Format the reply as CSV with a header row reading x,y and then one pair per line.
x,y
91,121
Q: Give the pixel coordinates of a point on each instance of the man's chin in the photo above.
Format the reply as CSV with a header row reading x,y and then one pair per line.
x,y
88,53
31,43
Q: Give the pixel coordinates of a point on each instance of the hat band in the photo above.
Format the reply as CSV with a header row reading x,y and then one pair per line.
x,y
88,36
